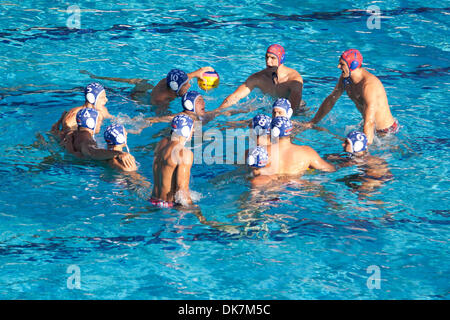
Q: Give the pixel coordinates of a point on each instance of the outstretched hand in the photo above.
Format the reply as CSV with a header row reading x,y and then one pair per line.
x,y
202,70
126,158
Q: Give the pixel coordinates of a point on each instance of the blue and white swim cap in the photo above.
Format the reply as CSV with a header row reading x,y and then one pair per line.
x,y
115,135
261,124
87,118
176,78
188,100
182,125
284,104
258,157
92,91
358,141
281,127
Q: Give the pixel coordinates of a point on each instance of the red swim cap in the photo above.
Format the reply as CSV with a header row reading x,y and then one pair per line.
x,y
353,58
277,50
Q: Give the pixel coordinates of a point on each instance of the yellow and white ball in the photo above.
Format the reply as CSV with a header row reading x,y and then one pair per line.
x,y
210,80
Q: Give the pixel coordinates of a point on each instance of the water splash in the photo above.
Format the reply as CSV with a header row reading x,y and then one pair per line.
x,y
181,197
132,125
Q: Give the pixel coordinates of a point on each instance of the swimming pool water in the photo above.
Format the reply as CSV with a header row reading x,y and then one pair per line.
x,y
317,242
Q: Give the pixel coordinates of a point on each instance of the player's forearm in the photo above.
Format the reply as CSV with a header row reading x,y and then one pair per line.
x,y
101,154
322,165
225,104
107,115
328,167
232,99
369,128
296,98
195,74
241,92
123,80
324,109
159,119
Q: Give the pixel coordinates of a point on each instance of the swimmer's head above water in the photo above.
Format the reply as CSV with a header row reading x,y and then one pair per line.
x,y
275,56
178,81
116,136
355,143
261,124
282,108
194,102
182,126
349,61
95,94
87,118
281,127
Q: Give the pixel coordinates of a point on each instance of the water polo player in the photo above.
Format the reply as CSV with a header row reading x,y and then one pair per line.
x,y
116,139
261,129
81,142
282,108
95,98
175,84
193,105
276,80
373,171
366,91
287,158
172,165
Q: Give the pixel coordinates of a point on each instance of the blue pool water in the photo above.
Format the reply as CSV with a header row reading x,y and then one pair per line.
x,y
317,242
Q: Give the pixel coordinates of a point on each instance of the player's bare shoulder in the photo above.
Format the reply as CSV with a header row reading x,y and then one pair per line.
x,y
294,75
161,146
305,151
69,120
257,77
372,86
371,80
158,94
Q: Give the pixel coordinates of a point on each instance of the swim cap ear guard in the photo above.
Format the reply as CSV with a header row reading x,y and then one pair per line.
x,y
357,140
261,124
182,125
284,104
277,50
188,100
92,91
353,58
258,157
281,127
176,78
87,118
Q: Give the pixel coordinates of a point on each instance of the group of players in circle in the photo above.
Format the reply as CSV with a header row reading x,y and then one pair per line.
x,y
275,155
